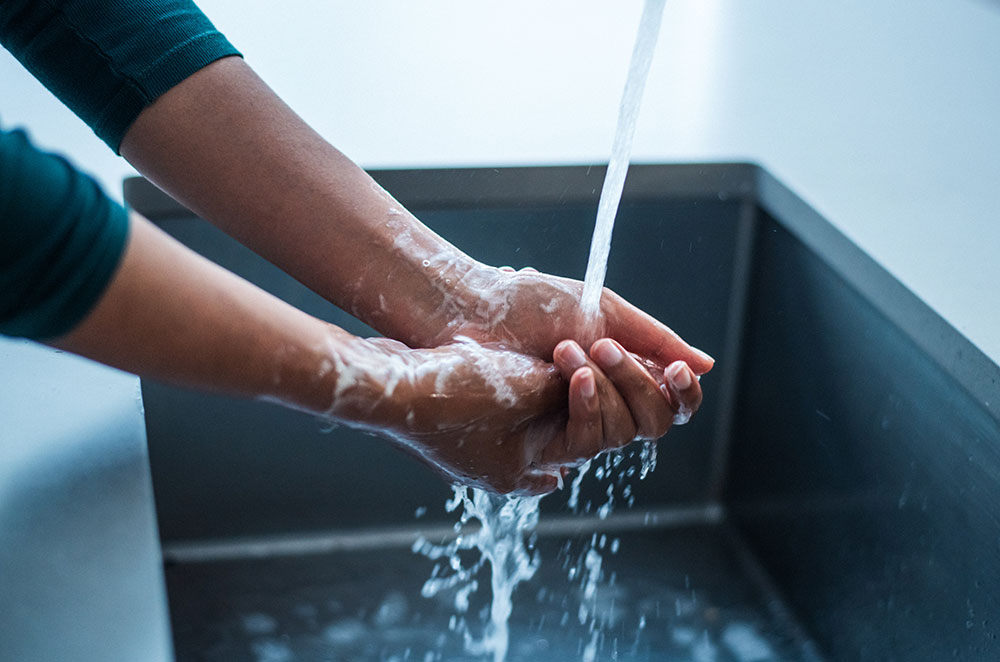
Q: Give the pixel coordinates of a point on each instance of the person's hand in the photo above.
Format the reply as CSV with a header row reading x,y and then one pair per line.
x,y
532,312
490,418
346,238
631,403
648,374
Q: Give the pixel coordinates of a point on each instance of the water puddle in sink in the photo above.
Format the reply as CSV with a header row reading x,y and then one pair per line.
x,y
667,595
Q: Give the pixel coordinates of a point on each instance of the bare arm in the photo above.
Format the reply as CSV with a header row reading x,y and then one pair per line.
x,y
172,315
488,417
226,146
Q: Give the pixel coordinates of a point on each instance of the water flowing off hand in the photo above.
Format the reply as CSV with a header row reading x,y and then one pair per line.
x,y
507,521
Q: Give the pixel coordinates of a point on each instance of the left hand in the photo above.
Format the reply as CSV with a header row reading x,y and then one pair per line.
x,y
490,418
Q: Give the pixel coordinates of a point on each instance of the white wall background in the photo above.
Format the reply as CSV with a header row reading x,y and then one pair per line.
x,y
881,113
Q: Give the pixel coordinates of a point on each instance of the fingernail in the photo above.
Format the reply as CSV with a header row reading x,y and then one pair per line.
x,y
574,355
608,353
702,354
679,376
587,385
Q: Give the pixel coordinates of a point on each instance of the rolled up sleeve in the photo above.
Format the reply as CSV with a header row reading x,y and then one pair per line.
x,y
61,240
61,237
109,59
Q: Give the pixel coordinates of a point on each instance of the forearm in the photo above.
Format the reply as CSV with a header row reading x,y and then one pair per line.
x,y
226,146
170,314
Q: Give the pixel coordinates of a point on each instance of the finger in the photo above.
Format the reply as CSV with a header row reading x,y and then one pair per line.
x,y
650,410
507,270
529,270
534,483
684,389
585,428
644,335
617,424
584,434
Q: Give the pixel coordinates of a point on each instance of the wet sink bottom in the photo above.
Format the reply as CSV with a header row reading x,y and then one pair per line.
x,y
687,594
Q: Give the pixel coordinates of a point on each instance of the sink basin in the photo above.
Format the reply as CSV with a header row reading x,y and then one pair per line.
x,y
836,498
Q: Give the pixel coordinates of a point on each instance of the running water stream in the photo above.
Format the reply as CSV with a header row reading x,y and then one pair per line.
x,y
507,524
621,150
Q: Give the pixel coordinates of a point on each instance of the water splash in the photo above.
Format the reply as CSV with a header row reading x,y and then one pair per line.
x,y
614,180
501,529
506,522
502,539
574,490
588,570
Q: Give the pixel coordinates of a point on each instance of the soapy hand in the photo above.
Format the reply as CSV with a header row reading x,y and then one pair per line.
x,y
646,372
532,312
491,418
345,237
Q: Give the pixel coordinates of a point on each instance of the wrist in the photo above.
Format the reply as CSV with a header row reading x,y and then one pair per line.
x,y
459,289
429,289
364,381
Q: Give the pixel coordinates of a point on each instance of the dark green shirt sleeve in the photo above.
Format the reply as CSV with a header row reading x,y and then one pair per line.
x,y
109,59
61,239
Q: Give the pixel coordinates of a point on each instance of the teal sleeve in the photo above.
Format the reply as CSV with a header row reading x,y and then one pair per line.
x,y
109,59
61,239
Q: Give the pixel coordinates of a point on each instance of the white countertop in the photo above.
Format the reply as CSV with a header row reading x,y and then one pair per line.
x,y
880,113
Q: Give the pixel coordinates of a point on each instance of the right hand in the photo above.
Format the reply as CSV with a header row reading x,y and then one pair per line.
x,y
623,379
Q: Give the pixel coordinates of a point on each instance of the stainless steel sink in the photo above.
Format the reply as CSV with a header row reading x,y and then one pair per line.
x,y
836,498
